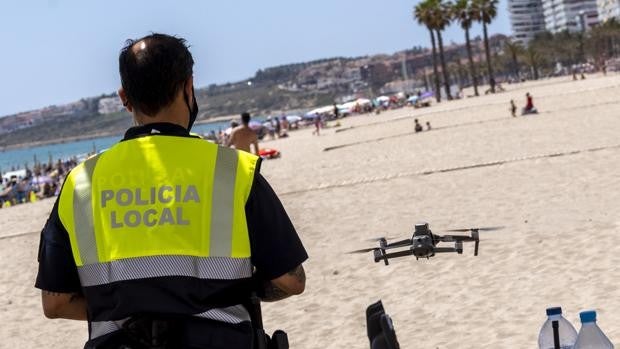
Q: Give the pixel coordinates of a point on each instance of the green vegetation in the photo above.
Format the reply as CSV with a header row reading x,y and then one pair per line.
x,y
68,126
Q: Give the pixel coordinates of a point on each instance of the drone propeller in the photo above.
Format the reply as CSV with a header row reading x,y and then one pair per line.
x,y
386,238
364,250
474,229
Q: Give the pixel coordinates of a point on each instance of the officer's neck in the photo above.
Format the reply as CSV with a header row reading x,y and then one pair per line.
x,y
175,113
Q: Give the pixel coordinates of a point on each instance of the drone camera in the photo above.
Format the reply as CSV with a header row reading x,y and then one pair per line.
x,y
422,246
421,229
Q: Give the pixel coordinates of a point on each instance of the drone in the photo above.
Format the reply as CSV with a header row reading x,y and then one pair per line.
x,y
423,243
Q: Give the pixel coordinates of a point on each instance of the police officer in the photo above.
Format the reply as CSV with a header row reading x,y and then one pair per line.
x,y
157,242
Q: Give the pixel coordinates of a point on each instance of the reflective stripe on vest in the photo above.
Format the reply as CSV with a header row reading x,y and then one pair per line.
x,y
232,315
163,213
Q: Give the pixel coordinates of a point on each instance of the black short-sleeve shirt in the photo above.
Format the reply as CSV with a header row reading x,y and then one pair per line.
x,y
276,247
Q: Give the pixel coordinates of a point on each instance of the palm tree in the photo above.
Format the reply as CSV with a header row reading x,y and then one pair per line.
x,y
462,13
441,19
514,49
534,59
485,11
423,13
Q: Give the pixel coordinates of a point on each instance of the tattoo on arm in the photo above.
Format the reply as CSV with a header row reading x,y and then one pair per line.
x,y
272,293
55,294
74,296
298,273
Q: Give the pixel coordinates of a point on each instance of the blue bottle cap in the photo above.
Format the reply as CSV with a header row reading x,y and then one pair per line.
x,y
587,316
554,311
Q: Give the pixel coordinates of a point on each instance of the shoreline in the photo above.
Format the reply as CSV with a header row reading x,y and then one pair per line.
x,y
58,141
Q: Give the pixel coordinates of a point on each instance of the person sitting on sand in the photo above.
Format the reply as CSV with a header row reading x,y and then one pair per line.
x,y
418,127
243,137
529,106
428,126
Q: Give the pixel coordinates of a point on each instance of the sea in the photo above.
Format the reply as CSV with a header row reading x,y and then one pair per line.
x,y
16,159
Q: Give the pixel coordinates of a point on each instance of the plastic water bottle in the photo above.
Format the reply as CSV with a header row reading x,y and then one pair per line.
x,y
590,335
566,331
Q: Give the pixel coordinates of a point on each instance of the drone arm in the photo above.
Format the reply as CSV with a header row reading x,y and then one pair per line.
x,y
444,249
398,254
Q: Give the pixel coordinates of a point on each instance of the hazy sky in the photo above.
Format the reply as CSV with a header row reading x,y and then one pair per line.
x,y
57,51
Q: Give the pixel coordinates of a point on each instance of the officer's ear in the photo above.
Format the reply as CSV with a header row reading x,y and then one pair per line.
x,y
124,100
189,89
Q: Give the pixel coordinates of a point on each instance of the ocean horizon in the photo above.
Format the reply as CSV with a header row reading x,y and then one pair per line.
x,y
16,159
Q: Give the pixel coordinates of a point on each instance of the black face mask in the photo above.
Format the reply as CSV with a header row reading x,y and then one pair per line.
x,y
193,110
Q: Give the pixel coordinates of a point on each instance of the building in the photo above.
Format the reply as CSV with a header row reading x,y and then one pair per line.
x,y
527,19
571,15
608,9
110,105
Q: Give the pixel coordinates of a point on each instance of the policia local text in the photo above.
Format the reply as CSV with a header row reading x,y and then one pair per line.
x,y
151,217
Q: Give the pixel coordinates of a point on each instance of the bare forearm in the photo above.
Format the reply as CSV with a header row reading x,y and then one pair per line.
x,y
64,306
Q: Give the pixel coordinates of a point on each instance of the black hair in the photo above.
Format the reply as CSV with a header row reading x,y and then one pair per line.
x,y
245,118
153,73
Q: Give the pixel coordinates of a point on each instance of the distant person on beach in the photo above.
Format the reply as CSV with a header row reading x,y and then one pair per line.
x,y
243,137
284,126
418,127
317,125
529,106
513,108
529,102
428,126
336,111
161,240
277,126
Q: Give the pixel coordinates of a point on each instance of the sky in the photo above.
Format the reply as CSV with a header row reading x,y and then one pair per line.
x,y
58,51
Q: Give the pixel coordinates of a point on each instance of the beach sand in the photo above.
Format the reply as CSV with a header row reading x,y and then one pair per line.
x,y
552,179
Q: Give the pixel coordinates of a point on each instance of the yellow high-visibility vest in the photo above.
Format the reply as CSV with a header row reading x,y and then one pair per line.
x,y
159,206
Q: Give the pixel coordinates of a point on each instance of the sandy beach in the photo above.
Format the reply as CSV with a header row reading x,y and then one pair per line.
x,y
552,179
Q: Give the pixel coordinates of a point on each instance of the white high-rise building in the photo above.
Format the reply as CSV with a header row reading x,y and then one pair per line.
x,y
571,15
608,9
526,18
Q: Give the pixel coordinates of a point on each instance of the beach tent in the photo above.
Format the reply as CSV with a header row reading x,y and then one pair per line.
x,y
358,102
321,110
293,118
413,99
255,125
19,174
428,94
42,180
364,101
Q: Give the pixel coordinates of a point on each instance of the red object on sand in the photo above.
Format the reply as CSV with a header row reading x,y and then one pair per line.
x,y
269,153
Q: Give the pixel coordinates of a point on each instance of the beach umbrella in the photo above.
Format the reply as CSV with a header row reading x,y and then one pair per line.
x,y
428,94
42,180
322,110
364,101
255,125
293,118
